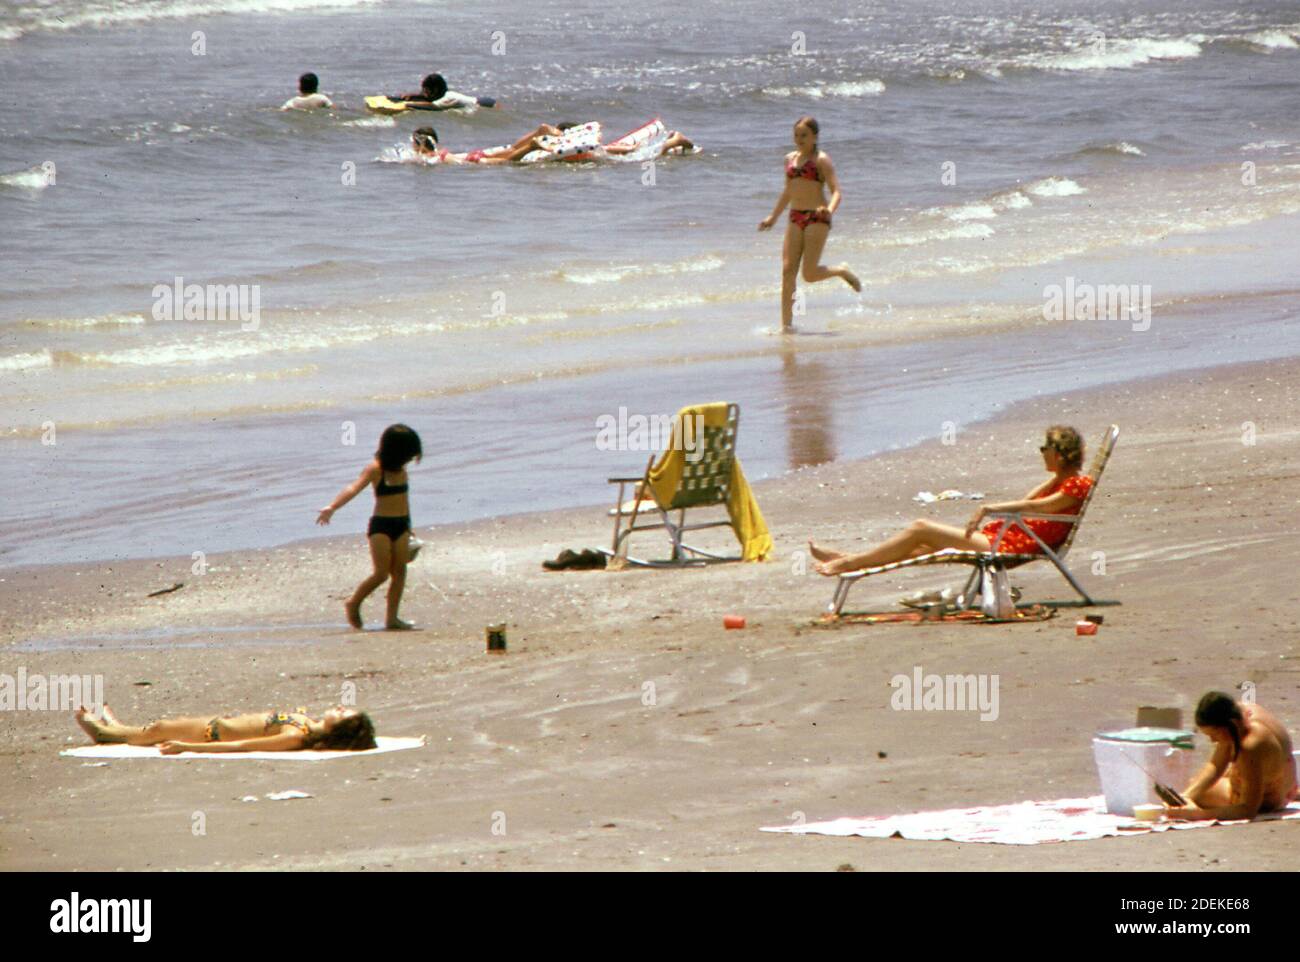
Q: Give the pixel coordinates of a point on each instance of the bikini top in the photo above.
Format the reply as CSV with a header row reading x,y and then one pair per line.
x,y
808,171
283,718
384,488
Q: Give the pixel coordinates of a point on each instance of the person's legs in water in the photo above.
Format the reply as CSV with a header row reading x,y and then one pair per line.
x,y
791,253
381,557
514,153
814,241
676,141
918,538
397,582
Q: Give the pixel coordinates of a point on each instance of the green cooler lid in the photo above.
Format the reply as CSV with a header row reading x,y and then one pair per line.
x,y
1172,736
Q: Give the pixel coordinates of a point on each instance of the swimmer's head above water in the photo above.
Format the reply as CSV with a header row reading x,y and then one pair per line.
x,y
425,140
434,86
307,84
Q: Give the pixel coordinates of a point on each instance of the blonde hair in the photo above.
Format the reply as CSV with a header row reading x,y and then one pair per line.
x,y
1068,443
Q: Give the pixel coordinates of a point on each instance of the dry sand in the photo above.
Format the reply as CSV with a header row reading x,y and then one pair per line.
x,y
747,727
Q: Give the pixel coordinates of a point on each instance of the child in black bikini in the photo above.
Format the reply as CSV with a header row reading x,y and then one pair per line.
x,y
389,532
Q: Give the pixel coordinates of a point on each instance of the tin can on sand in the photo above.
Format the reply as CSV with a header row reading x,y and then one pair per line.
x,y
496,638
733,621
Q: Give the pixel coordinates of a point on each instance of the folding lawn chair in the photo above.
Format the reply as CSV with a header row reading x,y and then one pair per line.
x,y
705,483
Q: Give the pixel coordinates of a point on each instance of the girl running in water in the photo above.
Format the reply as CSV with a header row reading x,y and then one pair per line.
x,y
389,533
807,169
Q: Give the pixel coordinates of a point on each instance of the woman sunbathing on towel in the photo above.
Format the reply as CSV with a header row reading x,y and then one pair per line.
x,y
1062,493
341,729
1252,769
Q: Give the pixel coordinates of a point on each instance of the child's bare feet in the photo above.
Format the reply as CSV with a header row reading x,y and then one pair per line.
x,y
821,554
354,614
851,278
397,624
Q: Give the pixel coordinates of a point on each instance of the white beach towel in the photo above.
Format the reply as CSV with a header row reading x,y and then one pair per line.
x,y
1026,823
307,755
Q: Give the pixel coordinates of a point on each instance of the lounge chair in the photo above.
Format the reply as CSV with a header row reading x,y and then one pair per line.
x,y
709,478
980,561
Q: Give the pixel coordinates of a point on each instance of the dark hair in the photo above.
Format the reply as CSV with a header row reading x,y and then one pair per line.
x,y
427,135
398,445
308,83
1068,443
353,734
1219,710
434,86
809,121
567,125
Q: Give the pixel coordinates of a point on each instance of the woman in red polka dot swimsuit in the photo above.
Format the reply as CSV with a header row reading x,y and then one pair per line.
x,y
1062,493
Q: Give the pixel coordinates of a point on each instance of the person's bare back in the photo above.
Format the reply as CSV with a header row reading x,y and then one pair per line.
x,y
1269,738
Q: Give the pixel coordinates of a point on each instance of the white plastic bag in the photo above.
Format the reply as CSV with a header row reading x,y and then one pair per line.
x,y
995,594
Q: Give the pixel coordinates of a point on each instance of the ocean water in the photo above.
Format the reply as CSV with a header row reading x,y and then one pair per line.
x,y
984,154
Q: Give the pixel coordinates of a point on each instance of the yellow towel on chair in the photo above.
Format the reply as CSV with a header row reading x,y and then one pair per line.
x,y
666,475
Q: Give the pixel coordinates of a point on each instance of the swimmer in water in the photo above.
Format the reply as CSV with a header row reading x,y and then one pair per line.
x,y
1252,770
308,98
674,141
807,171
434,95
425,143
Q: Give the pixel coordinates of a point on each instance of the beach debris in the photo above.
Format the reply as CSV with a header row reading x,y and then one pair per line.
x,y
845,867
952,494
496,638
733,621
94,764
142,684
1085,627
287,795
882,754
166,591
249,798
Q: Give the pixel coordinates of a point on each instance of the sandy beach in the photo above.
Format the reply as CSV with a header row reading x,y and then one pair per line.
x,y
555,743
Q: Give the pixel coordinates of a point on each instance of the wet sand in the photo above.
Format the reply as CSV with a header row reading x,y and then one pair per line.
x,y
554,742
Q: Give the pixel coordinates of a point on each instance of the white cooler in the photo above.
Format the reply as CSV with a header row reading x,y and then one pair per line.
x,y
1166,753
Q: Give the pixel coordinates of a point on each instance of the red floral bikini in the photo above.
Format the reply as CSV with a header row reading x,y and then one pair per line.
x,y
808,171
1052,532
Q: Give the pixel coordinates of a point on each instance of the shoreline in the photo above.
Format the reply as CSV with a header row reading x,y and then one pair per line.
x,y
533,442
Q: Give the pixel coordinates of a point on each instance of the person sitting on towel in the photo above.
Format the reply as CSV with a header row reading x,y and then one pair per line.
x,y
340,729
1062,493
308,98
1252,769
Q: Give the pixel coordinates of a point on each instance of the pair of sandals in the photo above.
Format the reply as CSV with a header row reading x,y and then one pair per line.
x,y
568,558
